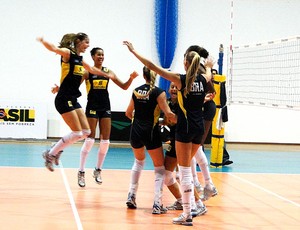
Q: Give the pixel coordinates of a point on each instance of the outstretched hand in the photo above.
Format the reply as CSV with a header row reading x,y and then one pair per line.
x,y
133,75
40,39
210,61
55,89
129,45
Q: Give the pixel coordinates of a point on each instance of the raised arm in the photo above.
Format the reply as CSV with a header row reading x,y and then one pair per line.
x,y
124,85
64,52
209,63
171,76
95,70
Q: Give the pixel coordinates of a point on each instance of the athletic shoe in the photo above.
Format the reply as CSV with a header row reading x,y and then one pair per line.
x,y
97,176
209,192
176,206
199,211
158,209
131,201
49,159
56,159
182,220
81,179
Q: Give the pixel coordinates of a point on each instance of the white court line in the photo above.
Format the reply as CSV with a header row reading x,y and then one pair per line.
x,y
265,190
71,198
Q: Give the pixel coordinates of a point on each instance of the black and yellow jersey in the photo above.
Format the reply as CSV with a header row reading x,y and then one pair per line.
x,y
190,115
71,76
146,110
97,92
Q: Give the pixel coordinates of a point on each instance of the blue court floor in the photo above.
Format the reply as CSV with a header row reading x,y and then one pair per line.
x,y
253,160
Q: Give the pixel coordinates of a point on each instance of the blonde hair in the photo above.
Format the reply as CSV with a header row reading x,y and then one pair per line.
x,y
193,59
150,76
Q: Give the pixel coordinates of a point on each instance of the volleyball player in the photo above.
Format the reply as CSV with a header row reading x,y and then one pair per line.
x,y
198,208
144,110
98,110
209,109
189,129
72,65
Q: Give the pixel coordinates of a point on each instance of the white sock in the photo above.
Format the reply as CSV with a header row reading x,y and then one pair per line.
x,y
187,188
203,164
85,149
193,202
159,182
102,151
135,175
65,141
194,172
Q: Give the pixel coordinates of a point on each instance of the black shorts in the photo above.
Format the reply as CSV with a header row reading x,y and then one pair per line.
x,y
97,113
194,137
148,138
64,104
209,110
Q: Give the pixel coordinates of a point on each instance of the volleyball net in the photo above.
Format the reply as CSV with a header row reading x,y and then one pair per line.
x,y
266,74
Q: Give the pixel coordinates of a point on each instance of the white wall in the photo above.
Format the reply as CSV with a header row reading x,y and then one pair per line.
x,y
28,70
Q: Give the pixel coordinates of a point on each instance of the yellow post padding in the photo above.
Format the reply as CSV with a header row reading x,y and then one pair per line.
x,y
217,139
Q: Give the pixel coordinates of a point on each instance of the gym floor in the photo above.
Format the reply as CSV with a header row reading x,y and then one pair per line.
x,y
260,190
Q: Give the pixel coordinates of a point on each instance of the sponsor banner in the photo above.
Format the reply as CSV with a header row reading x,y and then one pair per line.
x,y
23,119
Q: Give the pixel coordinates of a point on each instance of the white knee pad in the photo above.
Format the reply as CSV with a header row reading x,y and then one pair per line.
x,y
169,179
104,141
72,137
138,165
200,157
86,133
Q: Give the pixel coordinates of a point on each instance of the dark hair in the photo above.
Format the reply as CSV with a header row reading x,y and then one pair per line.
x,y
81,36
94,50
149,75
200,50
71,40
203,53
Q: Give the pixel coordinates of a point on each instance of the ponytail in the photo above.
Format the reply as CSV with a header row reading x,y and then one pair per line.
x,y
149,75
194,59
